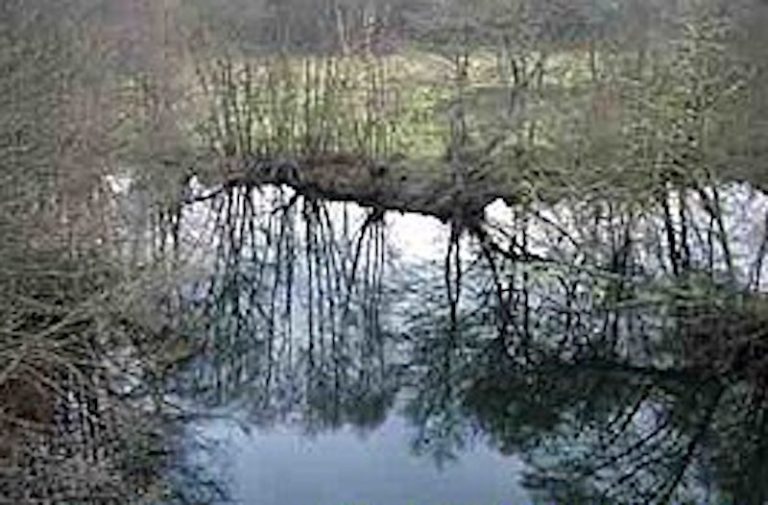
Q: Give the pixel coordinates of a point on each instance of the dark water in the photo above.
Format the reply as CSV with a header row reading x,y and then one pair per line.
x,y
582,353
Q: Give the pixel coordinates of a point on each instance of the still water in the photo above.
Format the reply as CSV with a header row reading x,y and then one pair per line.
x,y
285,465
589,352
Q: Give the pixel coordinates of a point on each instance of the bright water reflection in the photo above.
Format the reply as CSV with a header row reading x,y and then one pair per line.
x,y
284,465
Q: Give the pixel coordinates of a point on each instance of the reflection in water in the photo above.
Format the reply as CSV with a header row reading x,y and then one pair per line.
x,y
291,314
617,349
282,465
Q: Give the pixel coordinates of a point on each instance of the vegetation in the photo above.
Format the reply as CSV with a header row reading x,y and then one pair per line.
x,y
508,80
77,346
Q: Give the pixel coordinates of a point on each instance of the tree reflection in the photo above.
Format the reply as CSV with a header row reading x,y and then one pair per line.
x,y
289,313
618,351
619,374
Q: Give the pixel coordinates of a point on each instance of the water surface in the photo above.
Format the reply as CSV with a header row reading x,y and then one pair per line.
x,y
588,352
